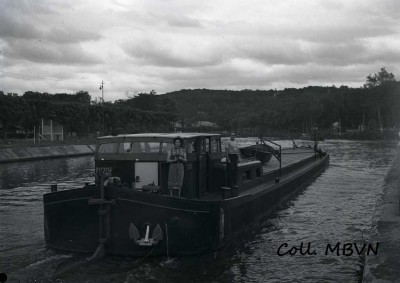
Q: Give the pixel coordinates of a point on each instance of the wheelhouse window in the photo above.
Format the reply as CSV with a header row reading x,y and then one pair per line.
x,y
108,148
166,146
140,147
191,146
215,146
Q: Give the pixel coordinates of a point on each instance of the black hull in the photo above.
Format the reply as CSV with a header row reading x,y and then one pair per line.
x,y
189,226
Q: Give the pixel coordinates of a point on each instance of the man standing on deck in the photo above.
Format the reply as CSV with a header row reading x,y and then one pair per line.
x,y
232,158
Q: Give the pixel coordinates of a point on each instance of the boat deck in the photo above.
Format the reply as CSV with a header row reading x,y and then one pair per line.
x,y
289,156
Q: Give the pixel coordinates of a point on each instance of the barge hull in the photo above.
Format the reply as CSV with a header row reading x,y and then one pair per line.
x,y
188,226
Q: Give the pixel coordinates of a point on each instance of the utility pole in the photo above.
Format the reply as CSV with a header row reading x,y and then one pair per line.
x,y
102,91
102,101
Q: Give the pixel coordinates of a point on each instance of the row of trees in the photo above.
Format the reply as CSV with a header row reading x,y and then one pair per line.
x,y
81,115
294,110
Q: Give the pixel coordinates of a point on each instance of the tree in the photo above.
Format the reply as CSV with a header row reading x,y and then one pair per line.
x,y
83,96
379,79
10,112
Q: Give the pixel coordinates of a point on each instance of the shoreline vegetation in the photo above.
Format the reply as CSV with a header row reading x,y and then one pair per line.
x,y
387,135
369,112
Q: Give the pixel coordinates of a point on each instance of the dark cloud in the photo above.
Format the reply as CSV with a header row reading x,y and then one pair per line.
x,y
70,35
184,22
38,21
285,52
49,53
150,52
15,27
338,54
353,53
341,33
33,7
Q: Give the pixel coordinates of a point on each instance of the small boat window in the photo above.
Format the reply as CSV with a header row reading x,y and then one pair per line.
x,y
108,148
125,147
166,147
140,147
191,147
215,146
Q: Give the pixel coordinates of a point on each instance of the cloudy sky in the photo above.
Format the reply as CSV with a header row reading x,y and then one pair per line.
x,y
166,45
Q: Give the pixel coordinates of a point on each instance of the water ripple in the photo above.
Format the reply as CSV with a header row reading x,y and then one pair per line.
x,y
336,208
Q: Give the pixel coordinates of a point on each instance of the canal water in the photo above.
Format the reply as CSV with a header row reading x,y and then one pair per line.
x,y
338,207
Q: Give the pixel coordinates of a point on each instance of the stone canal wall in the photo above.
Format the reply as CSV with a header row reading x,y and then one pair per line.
x,y
385,266
44,152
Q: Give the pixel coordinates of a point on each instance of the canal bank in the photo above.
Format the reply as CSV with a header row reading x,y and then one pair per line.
x,y
44,152
385,229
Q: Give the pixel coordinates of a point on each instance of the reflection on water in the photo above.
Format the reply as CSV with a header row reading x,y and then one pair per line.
x,y
23,253
337,207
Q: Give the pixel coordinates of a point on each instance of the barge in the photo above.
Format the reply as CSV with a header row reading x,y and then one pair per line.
x,y
130,210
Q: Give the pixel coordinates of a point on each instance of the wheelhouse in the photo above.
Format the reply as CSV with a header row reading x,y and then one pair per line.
x,y
139,161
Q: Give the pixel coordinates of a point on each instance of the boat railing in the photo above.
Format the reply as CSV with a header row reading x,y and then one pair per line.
x,y
276,153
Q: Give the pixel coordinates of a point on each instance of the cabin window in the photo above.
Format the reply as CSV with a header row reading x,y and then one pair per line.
x,y
166,147
108,148
125,147
215,146
140,147
191,147
258,172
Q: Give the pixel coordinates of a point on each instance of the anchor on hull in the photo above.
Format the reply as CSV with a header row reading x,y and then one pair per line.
x,y
157,235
